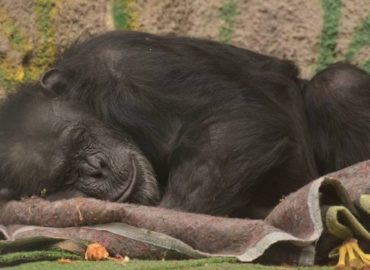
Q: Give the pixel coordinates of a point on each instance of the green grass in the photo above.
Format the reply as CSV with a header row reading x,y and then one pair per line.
x,y
360,38
227,14
120,15
204,264
329,35
36,255
45,48
18,42
14,35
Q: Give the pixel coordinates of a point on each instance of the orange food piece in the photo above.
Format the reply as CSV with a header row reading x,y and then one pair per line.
x,y
96,252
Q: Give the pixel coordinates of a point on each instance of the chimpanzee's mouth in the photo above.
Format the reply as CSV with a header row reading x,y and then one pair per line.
x,y
124,196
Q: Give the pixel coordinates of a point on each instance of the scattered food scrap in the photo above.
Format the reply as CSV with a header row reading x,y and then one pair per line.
x,y
64,261
96,252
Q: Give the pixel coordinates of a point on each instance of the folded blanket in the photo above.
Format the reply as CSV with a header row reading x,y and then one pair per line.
x,y
302,229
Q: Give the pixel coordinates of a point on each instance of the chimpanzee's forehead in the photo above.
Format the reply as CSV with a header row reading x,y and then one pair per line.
x,y
49,116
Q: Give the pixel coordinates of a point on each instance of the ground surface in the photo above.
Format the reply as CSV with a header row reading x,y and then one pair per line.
x,y
312,33
212,264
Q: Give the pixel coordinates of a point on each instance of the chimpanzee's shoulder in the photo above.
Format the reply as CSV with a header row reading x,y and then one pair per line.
x,y
192,49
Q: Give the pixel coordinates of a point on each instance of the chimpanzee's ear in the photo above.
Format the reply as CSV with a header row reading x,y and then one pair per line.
x,y
53,82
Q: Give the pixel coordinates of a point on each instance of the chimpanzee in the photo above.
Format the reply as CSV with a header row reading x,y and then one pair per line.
x,y
223,128
53,146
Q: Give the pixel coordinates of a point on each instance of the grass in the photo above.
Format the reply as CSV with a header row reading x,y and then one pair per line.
x,y
10,73
45,49
124,15
360,39
329,34
203,264
35,256
227,14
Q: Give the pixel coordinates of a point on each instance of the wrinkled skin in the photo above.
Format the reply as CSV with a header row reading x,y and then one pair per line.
x,y
58,150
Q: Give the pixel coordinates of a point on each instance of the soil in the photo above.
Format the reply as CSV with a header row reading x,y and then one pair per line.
x,y
195,18
290,29
80,19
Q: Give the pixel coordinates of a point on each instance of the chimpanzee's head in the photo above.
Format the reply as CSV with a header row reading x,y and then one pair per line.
x,y
56,148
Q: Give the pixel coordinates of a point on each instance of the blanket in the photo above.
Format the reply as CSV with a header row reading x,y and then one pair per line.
x,y
302,229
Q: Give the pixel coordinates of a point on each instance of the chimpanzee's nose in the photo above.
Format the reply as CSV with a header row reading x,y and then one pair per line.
x,y
6,194
95,166
97,161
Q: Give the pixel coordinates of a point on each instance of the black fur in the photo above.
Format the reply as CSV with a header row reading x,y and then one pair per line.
x,y
57,149
221,130
227,131
223,127
338,109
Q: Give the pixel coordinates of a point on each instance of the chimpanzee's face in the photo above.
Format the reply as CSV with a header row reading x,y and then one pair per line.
x,y
58,150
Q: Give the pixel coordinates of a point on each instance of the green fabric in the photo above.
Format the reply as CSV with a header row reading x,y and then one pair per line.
x,y
343,224
364,203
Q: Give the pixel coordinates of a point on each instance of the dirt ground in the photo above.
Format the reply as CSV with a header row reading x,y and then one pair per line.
x,y
289,29
293,29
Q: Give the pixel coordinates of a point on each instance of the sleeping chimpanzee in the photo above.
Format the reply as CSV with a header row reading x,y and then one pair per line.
x,y
224,128
53,146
